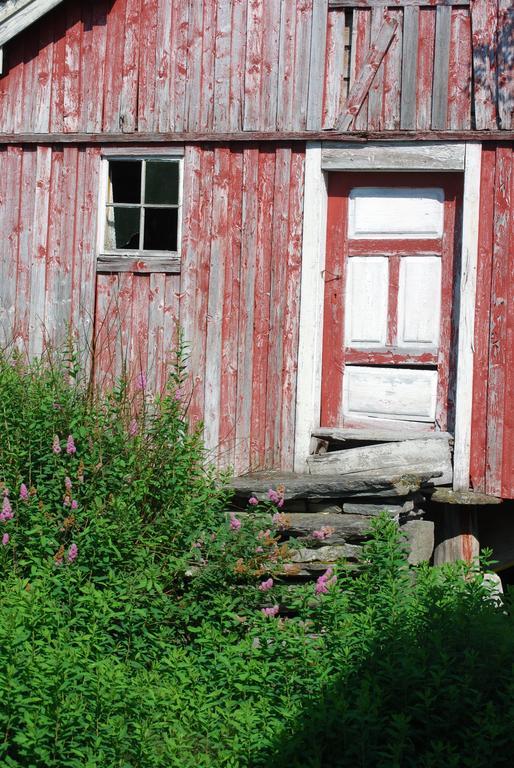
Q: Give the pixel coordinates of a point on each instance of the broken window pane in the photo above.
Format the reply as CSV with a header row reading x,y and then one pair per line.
x,y
122,231
160,229
125,176
161,183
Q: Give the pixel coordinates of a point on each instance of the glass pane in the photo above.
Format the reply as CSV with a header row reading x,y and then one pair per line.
x,y
122,230
160,229
161,183
125,176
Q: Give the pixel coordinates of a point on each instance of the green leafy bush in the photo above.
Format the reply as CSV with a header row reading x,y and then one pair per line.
x,y
141,626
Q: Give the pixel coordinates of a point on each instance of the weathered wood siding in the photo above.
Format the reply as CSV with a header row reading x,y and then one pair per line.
x,y
260,65
492,459
236,298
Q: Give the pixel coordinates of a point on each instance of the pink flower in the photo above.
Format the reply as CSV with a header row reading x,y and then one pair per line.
x,y
179,393
70,445
133,428
270,612
6,513
323,533
74,504
325,581
56,445
141,381
273,496
5,539
24,492
265,585
72,553
258,550
67,483
280,521
235,524
253,501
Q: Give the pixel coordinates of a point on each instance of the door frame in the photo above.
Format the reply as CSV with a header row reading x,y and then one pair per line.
x,y
320,159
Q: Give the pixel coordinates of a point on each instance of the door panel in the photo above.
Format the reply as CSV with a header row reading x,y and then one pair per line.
x,y
366,285
388,299
419,301
389,393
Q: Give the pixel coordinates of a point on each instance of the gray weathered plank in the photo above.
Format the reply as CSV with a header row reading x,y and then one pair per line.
x,y
169,264
409,67
429,456
393,3
372,510
335,486
376,435
441,67
466,498
317,65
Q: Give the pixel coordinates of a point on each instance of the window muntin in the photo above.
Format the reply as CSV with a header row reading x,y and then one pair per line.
x,y
142,206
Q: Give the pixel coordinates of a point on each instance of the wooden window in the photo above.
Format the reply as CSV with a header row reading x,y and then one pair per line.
x,y
141,212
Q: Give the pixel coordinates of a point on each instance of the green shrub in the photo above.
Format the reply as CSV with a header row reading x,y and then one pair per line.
x,y
133,632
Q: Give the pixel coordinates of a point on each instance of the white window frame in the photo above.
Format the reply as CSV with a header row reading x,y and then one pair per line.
x,y
384,156
137,260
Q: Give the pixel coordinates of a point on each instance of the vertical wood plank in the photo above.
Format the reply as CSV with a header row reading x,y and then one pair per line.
x,y
194,65
219,230
179,65
77,245
459,82
286,62
10,182
376,90
484,20
55,250
105,331
162,83
508,434
89,185
482,321
148,66
25,246
303,31
39,251
58,64
115,33
237,64
291,302
170,325
156,298
409,67
335,91
222,66
62,289
94,45
360,43
280,231
72,62
130,67
262,302
441,67
317,64
249,257
310,347
393,76
231,305
426,43
506,64
499,298
42,85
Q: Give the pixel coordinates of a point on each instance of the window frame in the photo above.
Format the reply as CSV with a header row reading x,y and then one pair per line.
x,y
131,259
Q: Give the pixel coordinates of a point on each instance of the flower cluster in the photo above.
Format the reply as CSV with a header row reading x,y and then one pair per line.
x,y
328,579
271,611
323,533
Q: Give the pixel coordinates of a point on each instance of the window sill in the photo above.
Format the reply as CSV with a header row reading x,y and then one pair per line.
x,y
138,262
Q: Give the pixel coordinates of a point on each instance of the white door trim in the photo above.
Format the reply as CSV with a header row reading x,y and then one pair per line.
x,y
390,157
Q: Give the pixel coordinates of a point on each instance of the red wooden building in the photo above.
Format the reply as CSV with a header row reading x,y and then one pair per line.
x,y
318,191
